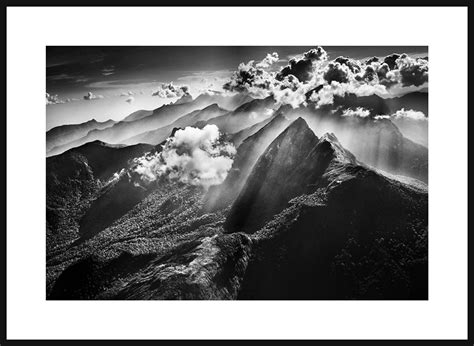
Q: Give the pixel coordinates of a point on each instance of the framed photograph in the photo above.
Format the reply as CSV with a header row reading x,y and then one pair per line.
x,y
199,169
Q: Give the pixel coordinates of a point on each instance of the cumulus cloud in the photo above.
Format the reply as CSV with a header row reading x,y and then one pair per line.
x,y
130,99
169,90
359,112
303,68
269,60
52,99
391,60
192,156
394,75
412,71
381,117
311,78
325,94
250,79
90,96
396,71
371,60
403,114
337,72
286,88
352,64
410,114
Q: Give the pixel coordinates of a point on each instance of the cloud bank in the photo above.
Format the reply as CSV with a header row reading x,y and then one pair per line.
x,y
313,78
168,90
192,156
269,60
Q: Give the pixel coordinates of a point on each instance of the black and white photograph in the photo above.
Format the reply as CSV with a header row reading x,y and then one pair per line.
x,y
287,172
237,172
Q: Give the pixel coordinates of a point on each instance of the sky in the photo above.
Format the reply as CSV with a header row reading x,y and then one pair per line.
x,y
108,82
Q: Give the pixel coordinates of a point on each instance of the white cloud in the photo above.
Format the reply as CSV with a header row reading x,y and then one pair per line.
x,y
410,114
193,156
412,71
169,90
269,60
90,96
52,99
380,117
392,76
403,114
359,112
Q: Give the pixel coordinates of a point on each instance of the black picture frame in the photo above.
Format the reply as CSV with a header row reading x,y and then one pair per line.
x,y
3,305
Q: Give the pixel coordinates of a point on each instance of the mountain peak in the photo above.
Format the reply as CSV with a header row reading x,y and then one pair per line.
x,y
296,130
296,139
293,164
329,136
299,123
255,104
329,143
212,107
273,175
184,99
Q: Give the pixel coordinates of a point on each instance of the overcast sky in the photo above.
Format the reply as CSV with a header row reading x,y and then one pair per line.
x,y
121,80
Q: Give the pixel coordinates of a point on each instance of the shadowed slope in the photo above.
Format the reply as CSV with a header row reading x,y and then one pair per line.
x,y
274,181
247,154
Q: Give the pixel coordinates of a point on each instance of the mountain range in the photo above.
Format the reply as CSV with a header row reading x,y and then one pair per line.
x,y
316,205
140,122
64,134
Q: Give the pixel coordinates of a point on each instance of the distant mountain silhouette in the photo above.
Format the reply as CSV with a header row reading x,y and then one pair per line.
x,y
417,101
141,121
224,101
246,115
137,115
63,134
159,135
